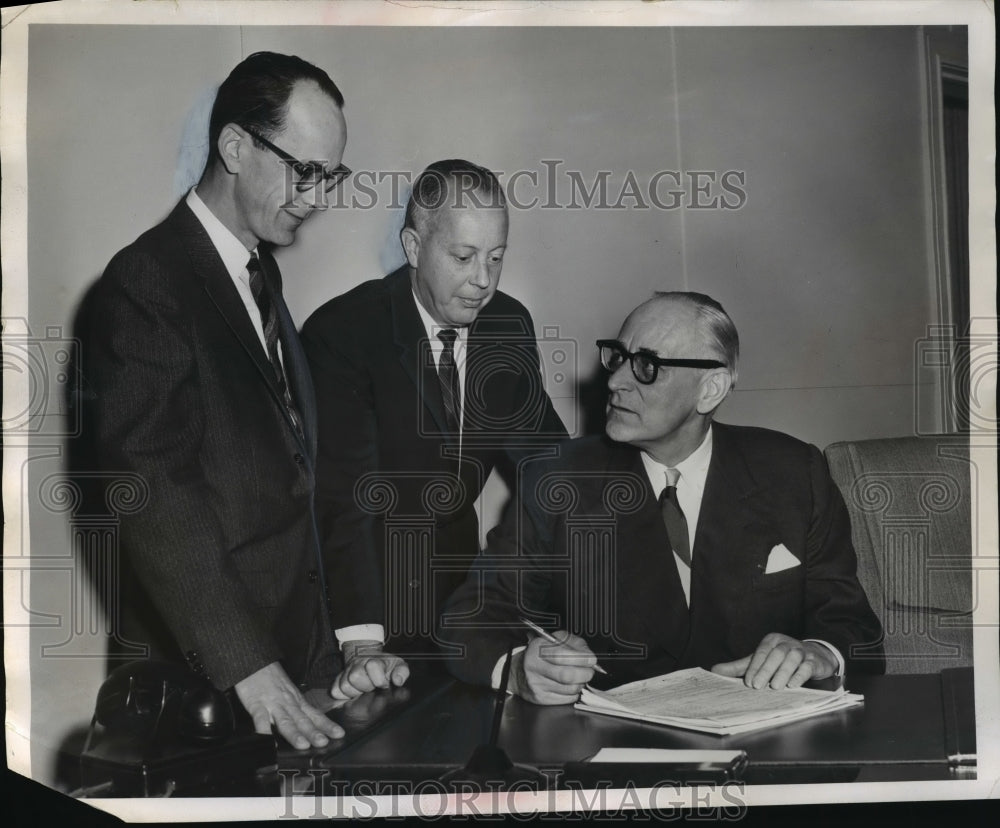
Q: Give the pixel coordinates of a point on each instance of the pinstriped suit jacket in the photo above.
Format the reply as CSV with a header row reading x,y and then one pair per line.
x,y
222,564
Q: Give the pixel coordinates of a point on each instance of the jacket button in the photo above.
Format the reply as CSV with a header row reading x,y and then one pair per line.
x,y
313,576
299,458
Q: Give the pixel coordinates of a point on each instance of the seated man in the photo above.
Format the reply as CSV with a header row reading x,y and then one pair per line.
x,y
673,542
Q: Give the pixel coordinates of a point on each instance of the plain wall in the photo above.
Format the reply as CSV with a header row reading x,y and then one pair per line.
x,y
825,268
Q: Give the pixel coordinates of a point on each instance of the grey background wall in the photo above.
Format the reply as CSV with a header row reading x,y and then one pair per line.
x,y
826,267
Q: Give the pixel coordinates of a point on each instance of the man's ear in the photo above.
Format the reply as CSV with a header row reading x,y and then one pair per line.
x,y
715,387
231,145
411,245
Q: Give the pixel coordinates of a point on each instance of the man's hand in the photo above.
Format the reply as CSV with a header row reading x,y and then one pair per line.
x,y
370,707
270,697
366,668
547,673
781,661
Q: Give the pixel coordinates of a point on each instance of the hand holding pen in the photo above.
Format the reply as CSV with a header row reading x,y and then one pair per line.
x,y
531,625
553,668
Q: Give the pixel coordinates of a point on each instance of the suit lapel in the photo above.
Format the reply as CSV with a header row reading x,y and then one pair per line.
x,y
490,346
414,350
220,288
726,524
648,585
208,266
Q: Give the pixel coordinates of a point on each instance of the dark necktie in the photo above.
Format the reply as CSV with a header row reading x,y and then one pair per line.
x,y
269,320
673,518
448,374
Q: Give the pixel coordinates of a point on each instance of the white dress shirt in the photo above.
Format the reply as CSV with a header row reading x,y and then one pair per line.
x,y
235,258
690,489
437,348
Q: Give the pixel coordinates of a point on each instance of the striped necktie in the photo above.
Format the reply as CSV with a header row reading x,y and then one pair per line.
x,y
448,374
269,320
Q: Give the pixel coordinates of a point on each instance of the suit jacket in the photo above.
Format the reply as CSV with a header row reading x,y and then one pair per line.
x,y
392,497
222,559
588,552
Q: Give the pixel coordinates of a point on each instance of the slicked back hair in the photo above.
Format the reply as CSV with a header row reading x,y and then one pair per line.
x,y
256,93
716,324
447,184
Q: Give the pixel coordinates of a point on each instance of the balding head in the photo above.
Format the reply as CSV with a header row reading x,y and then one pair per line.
x,y
669,416
715,330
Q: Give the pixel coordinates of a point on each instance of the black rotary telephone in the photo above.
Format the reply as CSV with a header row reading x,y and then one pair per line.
x,y
159,703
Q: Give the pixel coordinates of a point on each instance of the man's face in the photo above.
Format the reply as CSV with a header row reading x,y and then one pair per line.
x,y
653,416
268,208
457,257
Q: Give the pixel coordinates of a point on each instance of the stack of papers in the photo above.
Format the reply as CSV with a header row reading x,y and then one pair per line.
x,y
696,699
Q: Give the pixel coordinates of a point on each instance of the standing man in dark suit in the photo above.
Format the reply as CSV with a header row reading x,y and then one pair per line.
x,y
201,387
425,380
673,542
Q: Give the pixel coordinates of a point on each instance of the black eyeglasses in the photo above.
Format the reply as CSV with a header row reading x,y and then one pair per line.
x,y
645,365
308,174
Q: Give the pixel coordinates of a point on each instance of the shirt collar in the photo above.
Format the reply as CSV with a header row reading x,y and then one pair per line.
x,y
693,468
231,250
433,328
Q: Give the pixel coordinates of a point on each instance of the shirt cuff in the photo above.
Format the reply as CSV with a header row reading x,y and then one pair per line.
x,y
836,654
498,668
360,632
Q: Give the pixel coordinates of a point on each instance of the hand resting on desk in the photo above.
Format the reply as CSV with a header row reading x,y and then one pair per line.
x,y
367,708
781,661
547,673
270,696
366,668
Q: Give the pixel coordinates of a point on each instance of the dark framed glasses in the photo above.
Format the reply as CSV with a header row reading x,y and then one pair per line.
x,y
645,365
307,174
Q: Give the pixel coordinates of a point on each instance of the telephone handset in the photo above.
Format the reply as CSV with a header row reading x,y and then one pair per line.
x,y
160,702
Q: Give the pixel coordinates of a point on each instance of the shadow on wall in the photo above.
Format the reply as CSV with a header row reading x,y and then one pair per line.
x,y
81,456
592,395
192,154
79,471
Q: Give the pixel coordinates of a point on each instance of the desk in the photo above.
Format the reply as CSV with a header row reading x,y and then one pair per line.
x,y
900,733
906,730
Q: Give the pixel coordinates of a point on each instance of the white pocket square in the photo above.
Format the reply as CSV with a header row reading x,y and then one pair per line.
x,y
780,559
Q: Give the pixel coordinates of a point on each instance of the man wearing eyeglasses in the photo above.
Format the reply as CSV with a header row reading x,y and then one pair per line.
x,y
672,541
426,380
201,388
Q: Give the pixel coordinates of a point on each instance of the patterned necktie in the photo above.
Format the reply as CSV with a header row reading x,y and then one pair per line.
x,y
673,518
448,374
269,320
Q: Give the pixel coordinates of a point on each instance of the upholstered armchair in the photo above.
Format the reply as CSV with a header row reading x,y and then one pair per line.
x,y
911,516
